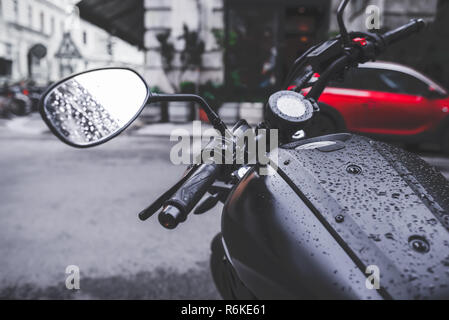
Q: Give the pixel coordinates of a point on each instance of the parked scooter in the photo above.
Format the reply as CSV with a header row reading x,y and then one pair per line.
x,y
339,216
4,112
16,100
34,93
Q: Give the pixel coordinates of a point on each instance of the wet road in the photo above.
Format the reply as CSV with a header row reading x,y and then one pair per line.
x,y
438,161
61,206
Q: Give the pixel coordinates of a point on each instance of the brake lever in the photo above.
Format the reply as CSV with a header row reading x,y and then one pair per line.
x,y
156,205
219,192
207,204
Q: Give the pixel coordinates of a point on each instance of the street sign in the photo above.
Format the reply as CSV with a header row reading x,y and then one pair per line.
x,y
68,49
38,51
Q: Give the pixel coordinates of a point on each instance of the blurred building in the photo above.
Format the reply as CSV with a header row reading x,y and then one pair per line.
x,y
394,13
252,43
44,40
248,43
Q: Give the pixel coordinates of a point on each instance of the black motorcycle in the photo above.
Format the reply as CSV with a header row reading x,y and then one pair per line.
x,y
339,217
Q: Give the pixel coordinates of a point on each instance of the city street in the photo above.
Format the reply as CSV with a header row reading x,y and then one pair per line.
x,y
62,206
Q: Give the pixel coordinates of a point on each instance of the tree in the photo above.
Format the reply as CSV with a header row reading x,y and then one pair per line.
x,y
191,56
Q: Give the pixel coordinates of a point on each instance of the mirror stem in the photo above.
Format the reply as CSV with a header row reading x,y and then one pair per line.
x,y
211,114
341,22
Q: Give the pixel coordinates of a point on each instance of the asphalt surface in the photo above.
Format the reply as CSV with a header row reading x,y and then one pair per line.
x,y
62,206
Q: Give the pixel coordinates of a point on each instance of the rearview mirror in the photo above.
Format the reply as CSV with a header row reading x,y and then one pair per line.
x,y
93,107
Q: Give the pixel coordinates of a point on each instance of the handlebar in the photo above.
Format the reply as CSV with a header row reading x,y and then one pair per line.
x,y
369,50
179,201
188,195
403,32
156,205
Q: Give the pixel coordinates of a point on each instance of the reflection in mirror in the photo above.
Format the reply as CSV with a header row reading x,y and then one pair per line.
x,y
92,107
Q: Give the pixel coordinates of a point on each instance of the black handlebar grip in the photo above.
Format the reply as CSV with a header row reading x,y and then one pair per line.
x,y
414,26
190,193
171,217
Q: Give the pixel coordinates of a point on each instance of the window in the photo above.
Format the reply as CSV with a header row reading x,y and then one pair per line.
x,y
8,49
84,37
16,9
262,44
30,16
42,18
383,81
5,67
354,79
52,25
110,47
399,82
252,58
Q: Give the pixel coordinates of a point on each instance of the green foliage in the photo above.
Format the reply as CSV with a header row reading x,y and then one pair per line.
x,y
333,34
155,89
187,87
220,38
190,56
167,49
233,38
214,93
236,79
194,48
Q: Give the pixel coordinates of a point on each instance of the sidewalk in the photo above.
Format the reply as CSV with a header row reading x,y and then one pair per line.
x,y
167,129
33,125
30,125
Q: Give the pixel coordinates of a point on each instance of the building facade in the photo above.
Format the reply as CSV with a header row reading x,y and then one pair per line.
x,y
247,43
261,37
44,40
258,36
393,13
163,16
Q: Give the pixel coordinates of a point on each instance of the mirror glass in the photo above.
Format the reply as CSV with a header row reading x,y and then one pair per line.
x,y
93,107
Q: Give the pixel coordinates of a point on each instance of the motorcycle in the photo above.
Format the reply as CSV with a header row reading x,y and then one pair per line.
x,y
34,93
17,101
339,217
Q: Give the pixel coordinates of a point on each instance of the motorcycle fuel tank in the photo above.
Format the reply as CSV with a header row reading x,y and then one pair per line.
x,y
344,217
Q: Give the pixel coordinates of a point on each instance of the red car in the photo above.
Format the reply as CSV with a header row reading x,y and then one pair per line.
x,y
389,101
